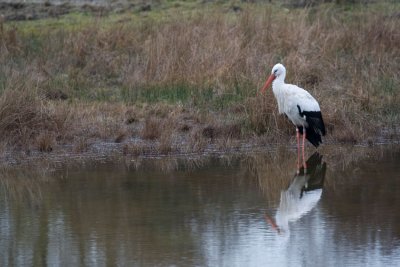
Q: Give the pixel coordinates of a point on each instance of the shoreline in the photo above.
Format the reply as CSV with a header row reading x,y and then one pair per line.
x,y
110,151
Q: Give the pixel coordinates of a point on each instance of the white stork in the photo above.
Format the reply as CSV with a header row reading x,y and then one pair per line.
x,y
299,106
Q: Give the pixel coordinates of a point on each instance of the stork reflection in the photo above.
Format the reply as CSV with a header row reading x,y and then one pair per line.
x,y
302,195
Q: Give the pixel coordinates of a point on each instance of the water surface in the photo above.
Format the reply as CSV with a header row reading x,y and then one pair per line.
x,y
251,210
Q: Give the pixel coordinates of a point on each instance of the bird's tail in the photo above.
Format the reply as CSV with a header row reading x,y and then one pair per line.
x,y
315,128
313,136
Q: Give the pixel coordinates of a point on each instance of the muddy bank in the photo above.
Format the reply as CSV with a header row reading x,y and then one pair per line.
x,y
135,150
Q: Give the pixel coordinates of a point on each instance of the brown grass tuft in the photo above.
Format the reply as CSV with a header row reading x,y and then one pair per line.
x,y
22,116
152,128
209,132
121,136
197,142
166,144
130,116
45,142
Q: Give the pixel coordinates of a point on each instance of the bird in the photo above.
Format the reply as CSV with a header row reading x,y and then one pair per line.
x,y
299,106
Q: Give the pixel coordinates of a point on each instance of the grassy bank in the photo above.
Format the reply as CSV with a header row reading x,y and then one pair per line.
x,y
182,77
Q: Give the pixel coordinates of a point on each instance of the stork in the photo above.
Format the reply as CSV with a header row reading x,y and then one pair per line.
x,y
299,106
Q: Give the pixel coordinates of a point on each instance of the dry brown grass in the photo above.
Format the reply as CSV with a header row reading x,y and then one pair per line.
x,y
45,142
208,66
152,128
22,116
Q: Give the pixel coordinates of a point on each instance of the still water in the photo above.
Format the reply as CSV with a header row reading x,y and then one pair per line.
x,y
248,210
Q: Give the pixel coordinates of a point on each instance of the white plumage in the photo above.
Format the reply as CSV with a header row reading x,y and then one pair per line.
x,y
299,105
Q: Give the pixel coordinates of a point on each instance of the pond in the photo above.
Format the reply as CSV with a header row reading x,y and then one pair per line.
x,y
239,210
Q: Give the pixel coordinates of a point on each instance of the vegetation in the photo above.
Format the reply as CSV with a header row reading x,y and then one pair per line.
x,y
185,76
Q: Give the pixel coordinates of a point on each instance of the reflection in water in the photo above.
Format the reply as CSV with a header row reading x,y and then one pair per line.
x,y
208,214
302,195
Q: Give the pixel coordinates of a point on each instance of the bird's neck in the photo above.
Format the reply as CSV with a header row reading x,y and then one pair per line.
x,y
278,83
278,86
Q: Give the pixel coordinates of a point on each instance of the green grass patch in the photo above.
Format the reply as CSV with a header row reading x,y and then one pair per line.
x,y
388,86
69,22
185,94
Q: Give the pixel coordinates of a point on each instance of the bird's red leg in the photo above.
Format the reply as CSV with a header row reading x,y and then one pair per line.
x,y
304,158
298,149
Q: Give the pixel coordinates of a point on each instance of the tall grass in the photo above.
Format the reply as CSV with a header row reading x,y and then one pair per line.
x,y
21,115
215,60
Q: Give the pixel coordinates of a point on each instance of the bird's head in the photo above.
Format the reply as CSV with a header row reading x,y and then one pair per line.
x,y
277,71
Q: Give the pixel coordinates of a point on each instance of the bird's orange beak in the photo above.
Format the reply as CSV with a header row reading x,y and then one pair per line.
x,y
267,83
272,222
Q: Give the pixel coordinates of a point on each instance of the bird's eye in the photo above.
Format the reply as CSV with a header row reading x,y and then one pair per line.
x,y
275,71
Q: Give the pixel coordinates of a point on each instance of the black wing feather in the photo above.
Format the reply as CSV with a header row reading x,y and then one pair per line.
x,y
315,128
